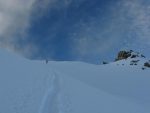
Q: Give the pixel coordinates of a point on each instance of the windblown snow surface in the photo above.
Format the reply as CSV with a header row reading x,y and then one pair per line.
x,y
72,87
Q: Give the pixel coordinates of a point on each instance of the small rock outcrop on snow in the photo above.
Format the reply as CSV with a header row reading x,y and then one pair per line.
x,y
134,58
123,55
128,54
105,62
147,64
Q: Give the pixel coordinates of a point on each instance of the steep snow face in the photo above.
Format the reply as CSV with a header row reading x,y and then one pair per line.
x,y
72,87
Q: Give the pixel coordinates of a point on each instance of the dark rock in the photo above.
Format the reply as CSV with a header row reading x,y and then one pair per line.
x,y
105,62
131,51
147,64
123,55
135,61
143,56
134,56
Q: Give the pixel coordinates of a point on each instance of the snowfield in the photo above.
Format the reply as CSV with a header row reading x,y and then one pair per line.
x,y
72,87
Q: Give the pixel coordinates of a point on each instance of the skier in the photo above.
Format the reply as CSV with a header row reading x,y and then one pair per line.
x,y
46,61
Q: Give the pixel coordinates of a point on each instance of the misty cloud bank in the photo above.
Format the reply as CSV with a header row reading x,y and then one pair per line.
x,y
82,30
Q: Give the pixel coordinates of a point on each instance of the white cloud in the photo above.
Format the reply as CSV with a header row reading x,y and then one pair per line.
x,y
14,14
139,13
14,20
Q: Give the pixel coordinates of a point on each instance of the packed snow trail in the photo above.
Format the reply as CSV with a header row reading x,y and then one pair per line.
x,y
50,102
54,100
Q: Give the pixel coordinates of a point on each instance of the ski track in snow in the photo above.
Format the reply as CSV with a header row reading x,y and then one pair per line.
x,y
50,102
53,101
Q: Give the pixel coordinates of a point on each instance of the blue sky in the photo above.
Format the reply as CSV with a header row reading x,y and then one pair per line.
x,y
79,30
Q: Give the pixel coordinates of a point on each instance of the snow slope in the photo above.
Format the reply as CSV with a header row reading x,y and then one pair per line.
x,y
72,87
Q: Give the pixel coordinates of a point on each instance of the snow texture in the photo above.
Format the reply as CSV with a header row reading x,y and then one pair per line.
x,y
72,87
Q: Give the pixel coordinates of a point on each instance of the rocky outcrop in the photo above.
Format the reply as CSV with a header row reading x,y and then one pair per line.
x,y
123,55
134,57
147,64
128,54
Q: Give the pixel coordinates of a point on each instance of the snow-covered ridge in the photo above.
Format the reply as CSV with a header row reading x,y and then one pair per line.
x,y
72,87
